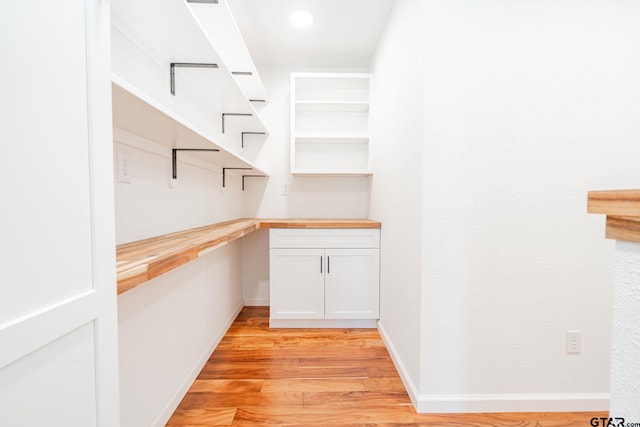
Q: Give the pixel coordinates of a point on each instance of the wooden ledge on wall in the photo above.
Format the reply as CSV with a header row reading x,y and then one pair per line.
x,y
622,208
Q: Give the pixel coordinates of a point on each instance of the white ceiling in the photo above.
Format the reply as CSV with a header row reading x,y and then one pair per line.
x,y
344,33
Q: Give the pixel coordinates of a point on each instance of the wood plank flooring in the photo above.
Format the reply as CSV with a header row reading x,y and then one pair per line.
x,y
317,377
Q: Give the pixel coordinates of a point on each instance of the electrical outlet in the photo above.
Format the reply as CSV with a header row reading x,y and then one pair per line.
x,y
123,163
574,339
284,189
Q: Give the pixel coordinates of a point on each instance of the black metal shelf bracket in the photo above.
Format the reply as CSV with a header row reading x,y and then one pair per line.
x,y
174,157
250,176
185,65
249,133
233,114
224,173
203,1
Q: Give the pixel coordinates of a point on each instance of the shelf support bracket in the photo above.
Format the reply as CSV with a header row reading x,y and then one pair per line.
x,y
224,173
233,114
249,133
174,157
250,176
185,65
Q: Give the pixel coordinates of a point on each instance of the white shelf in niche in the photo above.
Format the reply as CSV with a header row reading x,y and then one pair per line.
x,y
337,87
137,114
329,124
332,139
332,106
335,172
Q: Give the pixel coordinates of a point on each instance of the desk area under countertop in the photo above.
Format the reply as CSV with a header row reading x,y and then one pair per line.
x,y
140,261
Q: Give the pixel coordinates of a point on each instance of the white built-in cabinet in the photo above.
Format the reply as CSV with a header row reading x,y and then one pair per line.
x,y
206,100
324,277
329,123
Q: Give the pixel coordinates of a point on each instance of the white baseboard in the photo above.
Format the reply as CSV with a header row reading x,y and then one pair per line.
x,y
162,419
585,402
256,302
322,323
412,390
470,403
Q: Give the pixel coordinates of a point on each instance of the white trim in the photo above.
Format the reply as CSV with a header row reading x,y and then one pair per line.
x,y
322,323
412,390
168,410
34,330
256,302
469,403
323,75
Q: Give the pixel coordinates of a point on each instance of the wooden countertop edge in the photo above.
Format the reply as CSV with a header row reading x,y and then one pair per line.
x,y
614,202
622,208
178,248
319,223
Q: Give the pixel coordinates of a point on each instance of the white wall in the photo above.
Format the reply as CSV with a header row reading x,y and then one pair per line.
x,y
625,371
396,186
527,106
149,206
255,268
169,326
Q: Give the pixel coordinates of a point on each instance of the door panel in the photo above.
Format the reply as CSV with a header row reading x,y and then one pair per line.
x,y
58,326
41,377
297,284
46,215
351,284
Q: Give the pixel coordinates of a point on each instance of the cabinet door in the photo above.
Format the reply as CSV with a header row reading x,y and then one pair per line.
x,y
352,284
297,283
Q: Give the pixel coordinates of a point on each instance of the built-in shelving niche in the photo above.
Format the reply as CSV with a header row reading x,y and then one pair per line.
x,y
329,124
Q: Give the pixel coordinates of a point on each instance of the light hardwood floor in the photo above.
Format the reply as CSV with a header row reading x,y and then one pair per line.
x,y
324,377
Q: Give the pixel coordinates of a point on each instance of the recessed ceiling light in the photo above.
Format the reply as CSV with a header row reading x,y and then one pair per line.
x,y
301,18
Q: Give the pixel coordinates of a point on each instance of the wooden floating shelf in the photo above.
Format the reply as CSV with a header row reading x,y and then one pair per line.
x,y
140,261
622,208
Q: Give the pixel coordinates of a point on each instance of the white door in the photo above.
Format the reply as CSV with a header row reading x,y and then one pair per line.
x,y
58,328
351,284
296,283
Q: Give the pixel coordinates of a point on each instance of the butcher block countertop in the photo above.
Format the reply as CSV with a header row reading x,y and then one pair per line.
x,y
622,208
141,261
